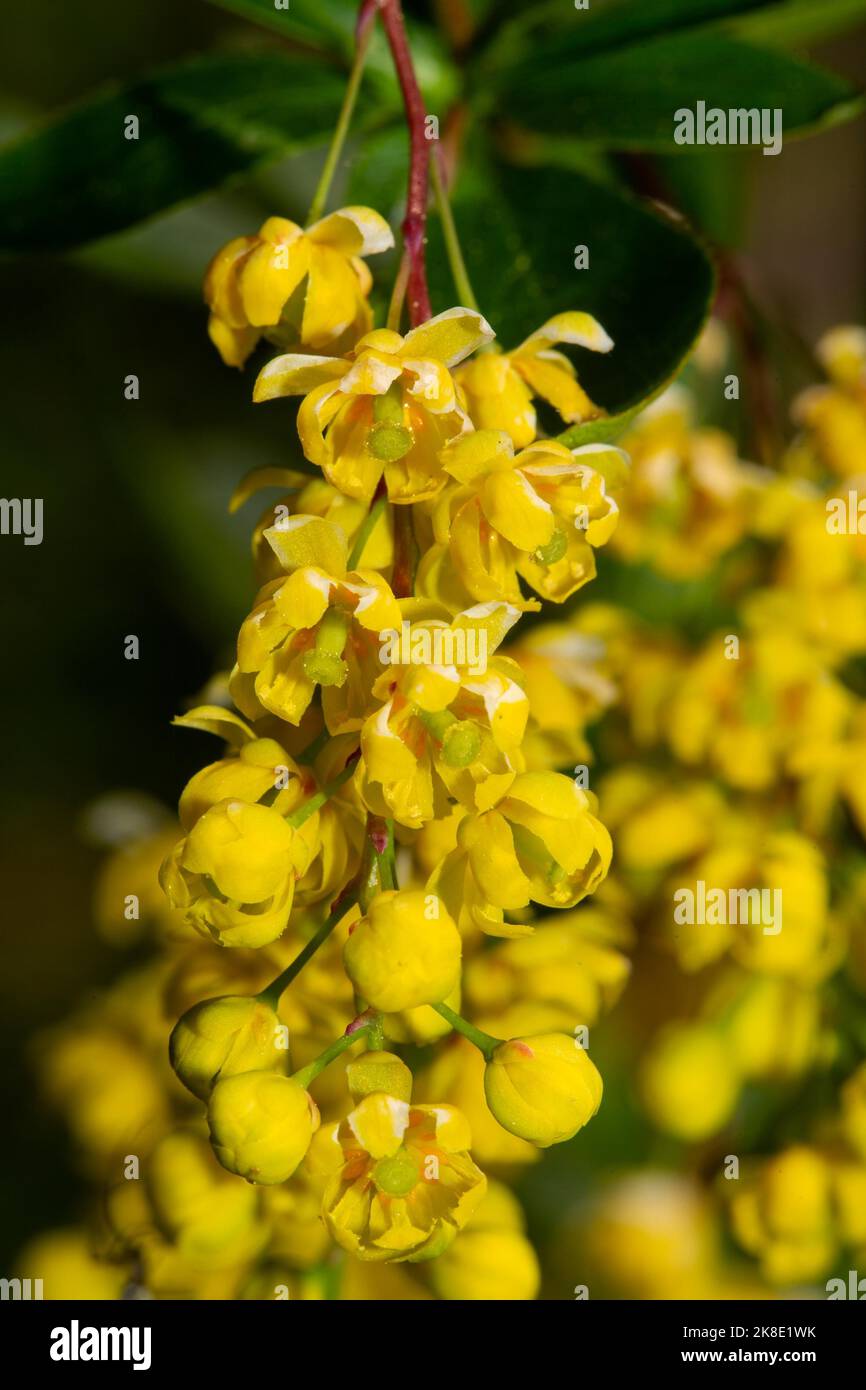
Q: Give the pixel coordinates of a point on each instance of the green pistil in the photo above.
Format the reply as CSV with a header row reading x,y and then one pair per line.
x,y
396,1176
389,439
324,663
459,739
461,744
554,550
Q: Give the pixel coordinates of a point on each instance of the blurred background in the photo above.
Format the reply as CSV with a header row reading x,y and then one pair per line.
x,y
137,539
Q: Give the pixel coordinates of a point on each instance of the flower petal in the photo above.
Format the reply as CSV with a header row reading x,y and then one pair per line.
x,y
214,719
580,329
296,374
299,541
354,231
449,337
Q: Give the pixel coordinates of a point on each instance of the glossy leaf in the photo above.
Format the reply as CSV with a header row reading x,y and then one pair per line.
x,y
649,282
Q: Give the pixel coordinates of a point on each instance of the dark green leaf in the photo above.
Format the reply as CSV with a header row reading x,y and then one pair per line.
x,y
649,282
200,124
799,21
712,187
379,171
330,25
320,23
626,99
606,25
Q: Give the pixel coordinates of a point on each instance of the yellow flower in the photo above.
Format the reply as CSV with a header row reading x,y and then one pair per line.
x,y
834,416
253,284
690,1081
106,1086
782,1213
570,966
207,1215
293,1211
765,903
499,387
389,408
773,1024
261,1125
492,1260
655,826
407,1184
318,626
452,721
537,514
690,497
568,684
849,1201
405,952
310,496
543,1088
746,717
422,1025
234,873
221,1037
649,1235
67,1267
541,843
259,767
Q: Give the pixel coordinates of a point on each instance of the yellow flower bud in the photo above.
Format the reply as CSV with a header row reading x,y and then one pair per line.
x,y
221,1037
234,874
378,1071
543,1088
261,1125
244,849
405,952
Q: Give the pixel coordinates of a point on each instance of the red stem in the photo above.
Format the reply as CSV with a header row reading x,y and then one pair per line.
x,y
366,17
415,221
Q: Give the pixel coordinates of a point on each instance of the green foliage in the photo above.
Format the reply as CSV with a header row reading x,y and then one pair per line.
x,y
626,98
648,281
201,123
584,84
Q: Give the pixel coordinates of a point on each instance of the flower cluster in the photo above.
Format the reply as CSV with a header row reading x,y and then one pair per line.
x,y
733,790
375,841
402,801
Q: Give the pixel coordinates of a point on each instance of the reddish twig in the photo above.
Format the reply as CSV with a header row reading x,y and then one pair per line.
x,y
366,17
415,221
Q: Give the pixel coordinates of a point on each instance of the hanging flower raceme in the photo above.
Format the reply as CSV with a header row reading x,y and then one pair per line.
x,y
407,1184
304,288
538,514
318,626
453,717
388,408
499,387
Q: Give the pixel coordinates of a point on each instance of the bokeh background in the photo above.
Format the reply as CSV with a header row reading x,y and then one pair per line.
x,y
138,540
